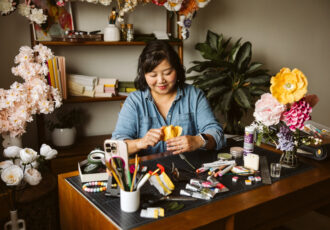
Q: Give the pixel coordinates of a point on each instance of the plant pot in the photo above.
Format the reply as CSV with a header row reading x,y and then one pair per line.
x,y
64,137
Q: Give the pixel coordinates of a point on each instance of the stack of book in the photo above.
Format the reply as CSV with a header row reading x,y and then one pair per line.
x,y
106,87
81,85
126,87
57,75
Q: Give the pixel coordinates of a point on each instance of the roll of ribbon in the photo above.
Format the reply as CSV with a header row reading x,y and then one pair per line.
x,y
96,156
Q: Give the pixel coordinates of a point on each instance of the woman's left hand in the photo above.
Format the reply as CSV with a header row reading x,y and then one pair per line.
x,y
183,144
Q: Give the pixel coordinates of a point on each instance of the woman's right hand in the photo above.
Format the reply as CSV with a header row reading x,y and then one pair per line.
x,y
152,137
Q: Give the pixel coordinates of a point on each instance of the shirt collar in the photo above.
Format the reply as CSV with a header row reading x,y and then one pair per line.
x,y
179,94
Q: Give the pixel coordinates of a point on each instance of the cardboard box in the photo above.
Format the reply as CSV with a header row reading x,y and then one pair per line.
x,y
87,177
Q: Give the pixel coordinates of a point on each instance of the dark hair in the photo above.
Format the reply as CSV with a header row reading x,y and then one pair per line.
x,y
152,55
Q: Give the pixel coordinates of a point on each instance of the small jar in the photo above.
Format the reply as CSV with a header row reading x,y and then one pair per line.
x,y
123,32
130,32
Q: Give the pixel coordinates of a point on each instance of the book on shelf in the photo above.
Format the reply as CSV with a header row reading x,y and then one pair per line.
x,y
84,80
57,74
78,88
98,94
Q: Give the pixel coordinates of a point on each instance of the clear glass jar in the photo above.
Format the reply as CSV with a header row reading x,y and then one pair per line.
x,y
130,32
123,32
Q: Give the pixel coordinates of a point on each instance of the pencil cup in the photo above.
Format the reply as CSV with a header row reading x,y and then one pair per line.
x,y
129,201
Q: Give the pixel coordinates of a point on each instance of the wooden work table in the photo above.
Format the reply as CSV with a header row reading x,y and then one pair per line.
x,y
260,208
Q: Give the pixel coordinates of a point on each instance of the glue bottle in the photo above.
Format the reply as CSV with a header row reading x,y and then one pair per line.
x,y
248,140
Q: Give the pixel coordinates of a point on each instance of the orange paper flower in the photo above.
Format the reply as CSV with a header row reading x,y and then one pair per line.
x,y
171,131
288,86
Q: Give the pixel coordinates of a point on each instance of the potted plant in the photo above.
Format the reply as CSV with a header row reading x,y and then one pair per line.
x,y
64,127
230,81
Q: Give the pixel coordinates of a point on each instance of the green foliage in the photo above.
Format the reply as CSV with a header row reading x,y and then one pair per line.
x,y
230,81
68,119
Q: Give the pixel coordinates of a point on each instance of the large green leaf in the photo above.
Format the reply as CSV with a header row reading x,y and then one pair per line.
x,y
217,91
212,39
193,77
226,100
242,98
254,66
206,51
234,51
259,80
257,92
243,56
220,47
212,82
202,66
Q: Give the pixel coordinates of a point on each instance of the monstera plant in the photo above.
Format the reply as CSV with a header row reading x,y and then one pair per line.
x,y
230,81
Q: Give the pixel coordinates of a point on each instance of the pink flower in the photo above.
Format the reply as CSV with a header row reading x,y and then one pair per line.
x,y
297,115
268,110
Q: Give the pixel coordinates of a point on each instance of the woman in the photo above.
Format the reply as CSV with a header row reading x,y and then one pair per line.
x,y
164,99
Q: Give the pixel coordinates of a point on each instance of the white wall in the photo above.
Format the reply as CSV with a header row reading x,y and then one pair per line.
x,y
283,33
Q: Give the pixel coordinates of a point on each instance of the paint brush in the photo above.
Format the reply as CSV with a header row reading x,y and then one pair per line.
x,y
135,171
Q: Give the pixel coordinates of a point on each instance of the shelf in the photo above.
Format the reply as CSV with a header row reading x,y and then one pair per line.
x,y
102,43
81,99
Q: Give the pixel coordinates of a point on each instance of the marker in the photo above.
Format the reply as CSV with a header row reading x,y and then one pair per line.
x,y
144,180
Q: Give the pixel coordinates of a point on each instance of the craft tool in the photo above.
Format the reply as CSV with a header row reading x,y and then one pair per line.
x,y
144,180
109,166
135,171
183,157
227,169
264,170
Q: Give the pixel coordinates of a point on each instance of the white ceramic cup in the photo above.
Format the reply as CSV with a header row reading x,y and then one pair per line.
x,y
129,201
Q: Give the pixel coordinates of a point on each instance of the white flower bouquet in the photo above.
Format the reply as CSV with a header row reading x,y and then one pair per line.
x,y
34,96
22,164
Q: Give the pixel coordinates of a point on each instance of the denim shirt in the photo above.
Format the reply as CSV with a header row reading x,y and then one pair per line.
x,y
190,110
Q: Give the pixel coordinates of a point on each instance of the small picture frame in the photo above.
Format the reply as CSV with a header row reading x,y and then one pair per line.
x,y
59,20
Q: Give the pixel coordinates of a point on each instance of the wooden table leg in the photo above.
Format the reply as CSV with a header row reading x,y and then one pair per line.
x,y
229,224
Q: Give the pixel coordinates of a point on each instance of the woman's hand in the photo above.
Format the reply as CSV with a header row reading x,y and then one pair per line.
x,y
152,137
184,144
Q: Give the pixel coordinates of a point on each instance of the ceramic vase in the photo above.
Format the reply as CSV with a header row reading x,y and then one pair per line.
x,y
11,141
15,223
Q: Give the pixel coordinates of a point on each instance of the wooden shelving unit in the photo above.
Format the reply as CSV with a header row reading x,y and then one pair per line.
x,y
67,159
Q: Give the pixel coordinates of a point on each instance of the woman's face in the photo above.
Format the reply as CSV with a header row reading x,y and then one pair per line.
x,y
162,78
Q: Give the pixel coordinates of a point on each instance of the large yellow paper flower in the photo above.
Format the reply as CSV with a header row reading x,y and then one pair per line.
x,y
288,86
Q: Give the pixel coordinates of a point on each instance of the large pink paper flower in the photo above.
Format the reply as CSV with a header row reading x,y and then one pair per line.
x,y
268,110
297,115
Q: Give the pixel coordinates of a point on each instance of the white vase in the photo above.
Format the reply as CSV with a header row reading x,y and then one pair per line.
x,y
15,223
11,141
63,137
111,33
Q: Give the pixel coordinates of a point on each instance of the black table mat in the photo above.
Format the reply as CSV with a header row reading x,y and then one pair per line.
x,y
111,206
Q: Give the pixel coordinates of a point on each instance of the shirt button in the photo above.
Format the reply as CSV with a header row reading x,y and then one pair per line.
x,y
169,116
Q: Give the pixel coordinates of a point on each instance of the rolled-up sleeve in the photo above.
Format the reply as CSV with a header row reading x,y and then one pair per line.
x,y
206,121
127,126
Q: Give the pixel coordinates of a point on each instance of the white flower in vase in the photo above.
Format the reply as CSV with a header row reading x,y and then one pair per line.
x,y
47,152
28,155
32,176
5,164
12,175
12,152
